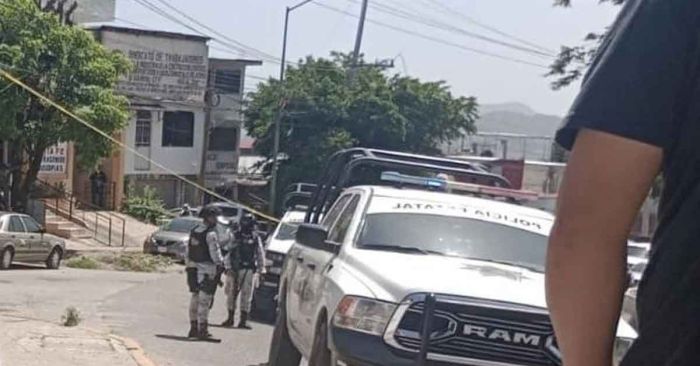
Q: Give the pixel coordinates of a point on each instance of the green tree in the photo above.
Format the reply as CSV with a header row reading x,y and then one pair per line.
x,y
69,66
325,112
572,61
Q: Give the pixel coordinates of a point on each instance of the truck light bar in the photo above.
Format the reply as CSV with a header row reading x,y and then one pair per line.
x,y
427,182
518,195
444,185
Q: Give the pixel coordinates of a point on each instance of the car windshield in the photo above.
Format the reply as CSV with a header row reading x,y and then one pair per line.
x,y
229,211
180,225
638,252
454,236
287,231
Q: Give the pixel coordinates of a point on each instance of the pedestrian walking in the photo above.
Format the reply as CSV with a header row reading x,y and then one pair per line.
x,y
637,115
247,262
204,261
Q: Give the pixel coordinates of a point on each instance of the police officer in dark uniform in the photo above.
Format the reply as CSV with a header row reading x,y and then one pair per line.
x,y
203,262
247,263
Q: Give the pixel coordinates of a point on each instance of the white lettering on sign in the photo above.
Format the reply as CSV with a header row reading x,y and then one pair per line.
x,y
54,160
469,211
172,76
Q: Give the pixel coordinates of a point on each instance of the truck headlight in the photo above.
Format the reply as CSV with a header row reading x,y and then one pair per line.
x,y
622,345
363,315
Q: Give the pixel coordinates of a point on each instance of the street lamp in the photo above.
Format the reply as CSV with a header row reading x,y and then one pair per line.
x,y
278,120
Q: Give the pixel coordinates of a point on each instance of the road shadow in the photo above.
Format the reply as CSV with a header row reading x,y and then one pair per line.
x,y
175,338
186,339
26,267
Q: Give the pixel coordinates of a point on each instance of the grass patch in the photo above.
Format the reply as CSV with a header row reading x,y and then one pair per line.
x,y
138,262
71,317
126,262
83,262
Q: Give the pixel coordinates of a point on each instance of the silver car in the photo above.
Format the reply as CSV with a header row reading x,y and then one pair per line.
x,y
171,240
22,239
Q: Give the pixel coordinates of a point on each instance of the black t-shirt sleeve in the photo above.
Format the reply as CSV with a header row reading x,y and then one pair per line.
x,y
633,86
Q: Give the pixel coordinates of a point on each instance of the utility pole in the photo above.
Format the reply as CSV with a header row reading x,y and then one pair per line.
x,y
208,95
278,119
358,40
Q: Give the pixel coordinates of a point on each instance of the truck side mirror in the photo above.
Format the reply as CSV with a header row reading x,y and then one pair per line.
x,y
313,236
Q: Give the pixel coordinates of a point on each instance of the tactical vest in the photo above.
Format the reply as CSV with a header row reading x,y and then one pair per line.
x,y
198,248
246,251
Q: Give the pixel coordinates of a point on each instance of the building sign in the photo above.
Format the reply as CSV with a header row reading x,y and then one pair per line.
x,y
54,160
171,76
165,68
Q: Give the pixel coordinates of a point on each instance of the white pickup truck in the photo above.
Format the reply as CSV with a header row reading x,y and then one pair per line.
x,y
355,288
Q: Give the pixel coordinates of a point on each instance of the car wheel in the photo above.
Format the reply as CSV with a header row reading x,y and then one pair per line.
x,y
6,257
54,260
282,351
321,355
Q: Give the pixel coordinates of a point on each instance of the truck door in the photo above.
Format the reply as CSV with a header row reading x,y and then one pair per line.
x,y
299,293
317,261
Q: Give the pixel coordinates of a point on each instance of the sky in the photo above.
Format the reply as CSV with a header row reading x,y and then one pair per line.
x,y
315,30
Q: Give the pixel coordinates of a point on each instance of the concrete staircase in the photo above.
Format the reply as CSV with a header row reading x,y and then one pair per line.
x,y
60,226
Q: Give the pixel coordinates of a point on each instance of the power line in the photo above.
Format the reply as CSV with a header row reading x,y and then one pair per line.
x,y
214,31
435,39
238,50
447,10
434,23
70,114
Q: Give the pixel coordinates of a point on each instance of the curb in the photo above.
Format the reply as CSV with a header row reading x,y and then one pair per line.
x,y
135,350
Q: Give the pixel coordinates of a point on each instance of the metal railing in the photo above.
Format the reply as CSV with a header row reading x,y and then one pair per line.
x,y
105,227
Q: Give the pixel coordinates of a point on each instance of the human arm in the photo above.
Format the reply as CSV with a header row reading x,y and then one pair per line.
x,y
607,179
214,248
261,256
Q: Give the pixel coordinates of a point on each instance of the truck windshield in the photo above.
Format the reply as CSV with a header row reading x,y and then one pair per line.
x,y
287,231
455,236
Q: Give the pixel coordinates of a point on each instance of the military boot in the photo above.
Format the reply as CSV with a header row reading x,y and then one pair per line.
x,y
194,330
229,321
204,331
243,322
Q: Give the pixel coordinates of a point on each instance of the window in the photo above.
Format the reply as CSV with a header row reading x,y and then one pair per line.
x,y
337,234
31,225
178,129
223,139
227,81
330,217
143,128
15,225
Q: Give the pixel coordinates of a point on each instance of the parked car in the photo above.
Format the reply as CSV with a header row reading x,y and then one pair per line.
x,y
22,239
172,238
276,248
230,212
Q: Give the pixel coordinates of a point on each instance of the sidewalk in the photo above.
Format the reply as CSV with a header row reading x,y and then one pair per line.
x,y
31,342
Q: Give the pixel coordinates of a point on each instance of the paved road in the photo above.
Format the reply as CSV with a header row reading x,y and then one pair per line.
x,y
156,312
150,308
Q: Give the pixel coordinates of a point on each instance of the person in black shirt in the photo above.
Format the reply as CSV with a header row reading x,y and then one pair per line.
x,y
638,114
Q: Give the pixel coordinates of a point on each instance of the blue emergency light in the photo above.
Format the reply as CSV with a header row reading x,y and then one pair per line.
x,y
424,182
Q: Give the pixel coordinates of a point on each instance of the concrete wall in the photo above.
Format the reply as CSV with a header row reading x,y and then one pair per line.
x,y
182,160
